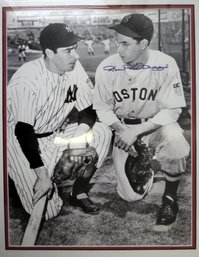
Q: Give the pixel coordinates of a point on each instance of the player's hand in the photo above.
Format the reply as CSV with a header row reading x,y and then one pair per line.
x,y
127,138
43,185
132,151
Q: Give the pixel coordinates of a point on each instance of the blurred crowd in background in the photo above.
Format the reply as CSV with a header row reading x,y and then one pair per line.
x,y
171,32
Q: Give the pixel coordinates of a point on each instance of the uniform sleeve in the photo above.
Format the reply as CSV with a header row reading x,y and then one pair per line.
x,y
107,118
166,116
29,144
171,93
22,105
85,88
23,99
103,101
87,116
171,96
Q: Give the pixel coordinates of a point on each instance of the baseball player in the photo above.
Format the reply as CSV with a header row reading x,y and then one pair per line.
x,y
41,95
106,42
22,52
89,44
139,94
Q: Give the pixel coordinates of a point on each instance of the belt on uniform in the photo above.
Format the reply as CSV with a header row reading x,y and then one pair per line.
x,y
132,121
46,134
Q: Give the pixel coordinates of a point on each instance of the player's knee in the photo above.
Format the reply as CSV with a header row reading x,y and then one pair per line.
x,y
105,133
170,132
174,142
173,135
101,141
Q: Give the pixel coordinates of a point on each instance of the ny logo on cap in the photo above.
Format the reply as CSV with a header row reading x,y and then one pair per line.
x,y
126,18
68,29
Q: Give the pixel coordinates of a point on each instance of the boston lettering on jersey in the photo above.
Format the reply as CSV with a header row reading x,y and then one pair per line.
x,y
71,94
142,94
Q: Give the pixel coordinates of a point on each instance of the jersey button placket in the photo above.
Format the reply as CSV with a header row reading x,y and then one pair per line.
x,y
132,106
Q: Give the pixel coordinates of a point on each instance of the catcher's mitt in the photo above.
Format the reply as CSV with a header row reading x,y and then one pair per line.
x,y
65,169
138,169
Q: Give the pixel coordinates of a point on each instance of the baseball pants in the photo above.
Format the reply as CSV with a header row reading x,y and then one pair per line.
x,y
24,177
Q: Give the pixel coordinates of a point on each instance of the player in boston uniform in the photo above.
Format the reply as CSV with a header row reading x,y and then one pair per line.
x,y
139,94
41,95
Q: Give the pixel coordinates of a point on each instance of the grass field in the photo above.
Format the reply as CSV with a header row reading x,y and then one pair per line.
x,y
119,223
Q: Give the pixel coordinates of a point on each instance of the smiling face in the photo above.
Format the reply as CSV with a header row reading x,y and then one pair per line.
x,y
63,60
130,49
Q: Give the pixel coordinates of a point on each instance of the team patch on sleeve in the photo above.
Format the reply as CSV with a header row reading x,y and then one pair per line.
x,y
177,89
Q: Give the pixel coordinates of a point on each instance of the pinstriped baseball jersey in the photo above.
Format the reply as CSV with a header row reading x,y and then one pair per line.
x,y
138,91
44,99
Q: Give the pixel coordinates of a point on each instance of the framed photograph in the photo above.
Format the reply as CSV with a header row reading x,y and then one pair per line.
x,y
99,128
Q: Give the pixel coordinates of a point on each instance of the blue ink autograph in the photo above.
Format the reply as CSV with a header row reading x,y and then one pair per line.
x,y
137,66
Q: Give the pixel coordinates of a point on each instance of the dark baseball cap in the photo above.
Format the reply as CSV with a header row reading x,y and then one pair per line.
x,y
135,26
57,35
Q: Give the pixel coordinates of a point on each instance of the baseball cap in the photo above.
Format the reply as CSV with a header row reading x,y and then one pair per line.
x,y
57,35
136,26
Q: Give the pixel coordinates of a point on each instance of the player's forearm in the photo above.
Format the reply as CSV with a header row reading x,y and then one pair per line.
x,y
81,129
146,127
29,144
107,117
118,126
87,116
166,116
80,137
41,172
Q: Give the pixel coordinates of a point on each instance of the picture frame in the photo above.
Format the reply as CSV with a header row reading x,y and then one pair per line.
x,y
175,34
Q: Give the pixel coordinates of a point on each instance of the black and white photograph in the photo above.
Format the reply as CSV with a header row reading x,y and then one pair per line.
x,y
99,125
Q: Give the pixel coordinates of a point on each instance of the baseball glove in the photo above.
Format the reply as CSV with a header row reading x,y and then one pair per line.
x,y
138,169
66,169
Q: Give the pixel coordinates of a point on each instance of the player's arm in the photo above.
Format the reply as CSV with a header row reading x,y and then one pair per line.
x,y
125,138
170,99
87,116
83,107
27,139
103,101
86,120
29,144
83,134
24,97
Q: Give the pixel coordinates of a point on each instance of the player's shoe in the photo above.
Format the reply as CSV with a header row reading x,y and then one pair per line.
x,y
168,211
85,204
